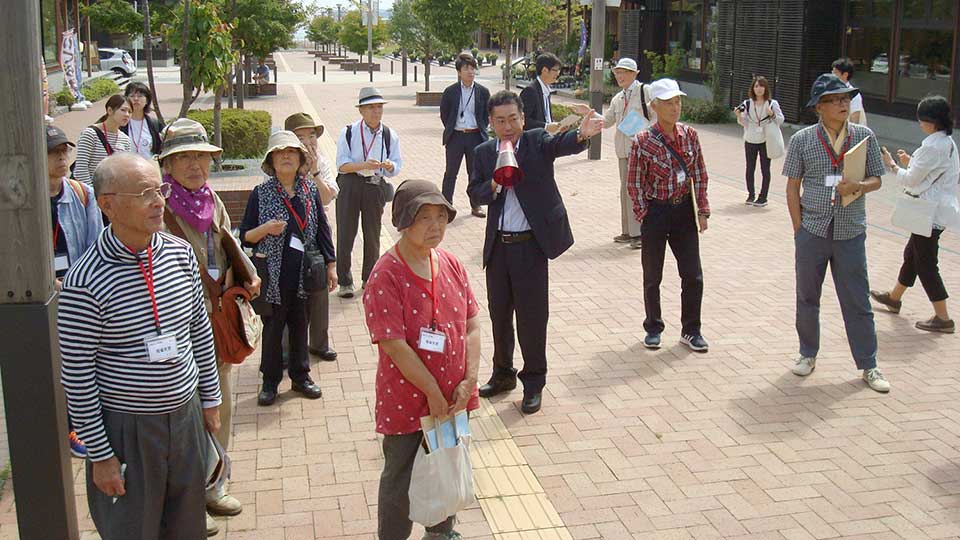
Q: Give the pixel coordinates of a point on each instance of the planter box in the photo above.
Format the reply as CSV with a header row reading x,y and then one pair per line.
x,y
429,99
337,60
350,66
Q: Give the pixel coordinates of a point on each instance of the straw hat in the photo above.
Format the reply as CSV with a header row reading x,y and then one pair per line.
x,y
186,135
278,141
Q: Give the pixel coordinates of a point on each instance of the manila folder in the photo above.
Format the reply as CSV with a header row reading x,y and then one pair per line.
x,y
855,168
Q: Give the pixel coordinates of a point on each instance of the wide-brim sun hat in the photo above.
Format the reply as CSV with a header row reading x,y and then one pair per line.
x,y
413,194
186,135
370,96
278,141
300,121
829,84
664,89
628,64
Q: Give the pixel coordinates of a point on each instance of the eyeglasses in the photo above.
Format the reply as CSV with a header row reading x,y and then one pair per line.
x,y
198,157
838,100
162,192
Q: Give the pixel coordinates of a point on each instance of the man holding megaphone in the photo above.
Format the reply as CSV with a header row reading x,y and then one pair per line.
x,y
527,225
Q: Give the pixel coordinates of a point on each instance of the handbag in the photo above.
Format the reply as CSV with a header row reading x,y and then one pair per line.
x,y
314,271
389,190
774,140
441,483
914,214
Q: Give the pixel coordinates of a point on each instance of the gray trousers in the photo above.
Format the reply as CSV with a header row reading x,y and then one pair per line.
x,y
359,204
628,220
164,480
393,502
848,264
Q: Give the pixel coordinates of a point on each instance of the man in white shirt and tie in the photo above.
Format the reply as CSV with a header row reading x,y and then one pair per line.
x,y
463,111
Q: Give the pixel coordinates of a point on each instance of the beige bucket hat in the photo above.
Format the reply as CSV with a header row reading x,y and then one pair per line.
x,y
185,135
278,141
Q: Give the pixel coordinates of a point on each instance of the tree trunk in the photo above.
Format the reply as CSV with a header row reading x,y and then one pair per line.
x,y
403,66
240,87
426,74
217,125
508,69
185,79
148,48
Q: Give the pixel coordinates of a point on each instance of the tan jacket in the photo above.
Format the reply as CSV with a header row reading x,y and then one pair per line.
x,y
615,114
198,241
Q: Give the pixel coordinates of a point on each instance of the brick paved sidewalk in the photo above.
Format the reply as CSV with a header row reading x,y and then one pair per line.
x,y
631,443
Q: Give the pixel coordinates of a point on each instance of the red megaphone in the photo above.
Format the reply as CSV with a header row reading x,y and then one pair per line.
x,y
507,173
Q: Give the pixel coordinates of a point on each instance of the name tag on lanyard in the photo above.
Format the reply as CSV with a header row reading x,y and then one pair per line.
x,y
161,348
61,262
432,340
681,178
296,243
831,180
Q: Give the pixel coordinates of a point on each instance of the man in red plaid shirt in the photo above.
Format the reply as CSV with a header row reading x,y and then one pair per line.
x,y
666,165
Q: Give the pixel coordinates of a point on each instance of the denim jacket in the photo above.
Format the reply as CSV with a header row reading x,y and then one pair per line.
x,y
81,226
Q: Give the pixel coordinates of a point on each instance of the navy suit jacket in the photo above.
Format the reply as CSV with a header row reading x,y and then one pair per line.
x,y
450,109
534,112
538,194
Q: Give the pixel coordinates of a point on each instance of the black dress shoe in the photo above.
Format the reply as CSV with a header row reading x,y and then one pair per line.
x,y
497,385
531,403
478,212
308,388
267,396
327,355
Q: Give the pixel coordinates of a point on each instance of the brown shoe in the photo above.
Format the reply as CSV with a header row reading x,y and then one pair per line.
x,y
636,243
478,212
884,298
936,324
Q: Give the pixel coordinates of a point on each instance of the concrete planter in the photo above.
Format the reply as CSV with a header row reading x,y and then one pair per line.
x,y
429,99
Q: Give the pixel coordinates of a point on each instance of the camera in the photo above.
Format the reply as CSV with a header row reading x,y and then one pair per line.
x,y
741,107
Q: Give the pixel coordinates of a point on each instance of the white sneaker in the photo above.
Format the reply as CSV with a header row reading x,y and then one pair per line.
x,y
876,381
345,291
212,527
804,366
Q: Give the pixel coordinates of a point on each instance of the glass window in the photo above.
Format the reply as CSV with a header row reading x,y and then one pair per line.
x,y
926,49
868,44
48,30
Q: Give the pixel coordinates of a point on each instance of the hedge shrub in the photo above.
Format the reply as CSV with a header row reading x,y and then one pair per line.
x,y
65,97
244,132
98,89
559,112
705,112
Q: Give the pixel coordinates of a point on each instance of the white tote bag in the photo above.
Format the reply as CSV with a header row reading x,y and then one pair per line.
x,y
914,214
775,147
441,483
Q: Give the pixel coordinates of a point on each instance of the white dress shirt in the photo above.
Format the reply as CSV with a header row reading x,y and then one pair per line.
x,y
354,153
546,100
467,117
512,219
933,175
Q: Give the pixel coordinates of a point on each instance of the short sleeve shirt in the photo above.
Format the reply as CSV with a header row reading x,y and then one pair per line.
x,y
808,160
397,304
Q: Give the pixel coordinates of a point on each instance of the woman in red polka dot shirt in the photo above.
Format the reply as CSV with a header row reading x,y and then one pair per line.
x,y
421,313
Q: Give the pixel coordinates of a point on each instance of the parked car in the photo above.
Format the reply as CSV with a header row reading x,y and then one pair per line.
x,y
117,60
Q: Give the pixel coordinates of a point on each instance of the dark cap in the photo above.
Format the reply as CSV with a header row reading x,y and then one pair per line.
x,y
56,137
411,195
828,84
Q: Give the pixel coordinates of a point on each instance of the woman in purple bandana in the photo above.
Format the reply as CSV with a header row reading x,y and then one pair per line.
x,y
195,213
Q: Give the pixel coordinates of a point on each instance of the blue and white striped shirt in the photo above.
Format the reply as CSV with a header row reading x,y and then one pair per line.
x,y
105,314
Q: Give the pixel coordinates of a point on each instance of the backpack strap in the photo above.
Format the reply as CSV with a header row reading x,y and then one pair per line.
x,y
386,137
643,103
350,137
78,189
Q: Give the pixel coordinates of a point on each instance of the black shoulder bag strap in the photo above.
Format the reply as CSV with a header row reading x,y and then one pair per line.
x,y
673,151
103,139
643,103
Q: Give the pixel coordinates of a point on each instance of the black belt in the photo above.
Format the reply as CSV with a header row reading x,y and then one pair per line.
x,y
474,130
676,200
515,237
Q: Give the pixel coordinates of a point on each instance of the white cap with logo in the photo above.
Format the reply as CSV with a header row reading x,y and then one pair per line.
x,y
628,64
664,89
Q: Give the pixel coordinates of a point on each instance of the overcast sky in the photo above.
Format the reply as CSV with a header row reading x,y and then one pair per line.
x,y
384,4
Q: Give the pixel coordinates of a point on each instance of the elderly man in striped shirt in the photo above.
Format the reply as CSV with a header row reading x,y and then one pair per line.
x,y
138,363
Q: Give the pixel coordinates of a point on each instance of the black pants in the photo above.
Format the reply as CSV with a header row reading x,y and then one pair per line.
x,y
677,226
393,502
360,203
459,146
752,151
319,310
291,314
517,283
920,260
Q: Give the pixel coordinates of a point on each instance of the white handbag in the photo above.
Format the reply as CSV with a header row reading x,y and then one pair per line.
x,y
914,214
441,483
775,147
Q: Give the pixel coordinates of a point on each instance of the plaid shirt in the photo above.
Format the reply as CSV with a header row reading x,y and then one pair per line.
x,y
652,170
809,161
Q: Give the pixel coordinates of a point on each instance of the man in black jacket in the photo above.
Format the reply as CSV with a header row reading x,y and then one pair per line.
x,y
527,226
463,111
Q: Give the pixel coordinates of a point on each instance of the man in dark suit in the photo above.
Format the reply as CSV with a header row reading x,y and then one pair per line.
x,y
527,226
463,111
536,96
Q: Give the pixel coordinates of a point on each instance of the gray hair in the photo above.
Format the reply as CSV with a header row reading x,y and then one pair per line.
x,y
117,167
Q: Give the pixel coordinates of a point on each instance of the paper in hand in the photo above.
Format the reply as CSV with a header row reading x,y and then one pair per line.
x,y
855,168
632,124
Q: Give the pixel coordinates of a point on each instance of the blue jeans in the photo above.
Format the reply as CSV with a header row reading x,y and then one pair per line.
x,y
848,264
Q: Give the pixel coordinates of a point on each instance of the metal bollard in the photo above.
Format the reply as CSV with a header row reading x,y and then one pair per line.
x,y
391,67
324,68
414,73
354,68
314,67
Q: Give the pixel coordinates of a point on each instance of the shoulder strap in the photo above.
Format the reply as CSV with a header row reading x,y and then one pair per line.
x,y
103,139
350,137
643,103
214,289
673,151
386,139
78,189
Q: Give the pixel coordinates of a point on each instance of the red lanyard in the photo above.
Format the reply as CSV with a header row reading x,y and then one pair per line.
x,y
834,159
56,236
136,142
106,140
433,285
302,223
148,278
363,141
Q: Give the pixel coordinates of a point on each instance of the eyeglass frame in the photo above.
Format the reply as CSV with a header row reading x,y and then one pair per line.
x,y
148,192
836,99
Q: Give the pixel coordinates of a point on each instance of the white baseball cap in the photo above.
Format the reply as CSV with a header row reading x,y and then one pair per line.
x,y
664,89
628,64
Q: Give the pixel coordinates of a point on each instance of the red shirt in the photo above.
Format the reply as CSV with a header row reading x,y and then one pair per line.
x,y
397,305
652,169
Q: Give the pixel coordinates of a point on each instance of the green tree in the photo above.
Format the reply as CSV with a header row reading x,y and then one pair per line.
x,y
508,20
265,26
353,34
113,17
441,25
323,29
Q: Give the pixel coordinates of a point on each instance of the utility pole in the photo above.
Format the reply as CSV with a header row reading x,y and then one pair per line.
x,y
597,24
29,363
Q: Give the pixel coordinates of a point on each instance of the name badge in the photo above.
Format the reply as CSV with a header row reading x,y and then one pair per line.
x,y
681,177
214,272
61,262
161,348
431,340
831,180
296,243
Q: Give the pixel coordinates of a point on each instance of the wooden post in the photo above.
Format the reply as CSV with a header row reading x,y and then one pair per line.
x,y
89,49
414,73
324,69
29,363
597,24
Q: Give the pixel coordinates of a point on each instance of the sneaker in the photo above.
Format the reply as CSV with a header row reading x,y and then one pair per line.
x,y
936,324
636,243
652,341
345,291
226,505
77,448
804,366
876,381
695,343
212,527
893,306
749,201
761,202
622,238
452,535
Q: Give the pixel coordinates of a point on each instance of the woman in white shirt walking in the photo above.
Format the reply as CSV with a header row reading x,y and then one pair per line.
x,y
931,173
142,129
753,114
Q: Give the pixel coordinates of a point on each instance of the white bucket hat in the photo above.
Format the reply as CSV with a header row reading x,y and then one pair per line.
x,y
278,141
664,89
